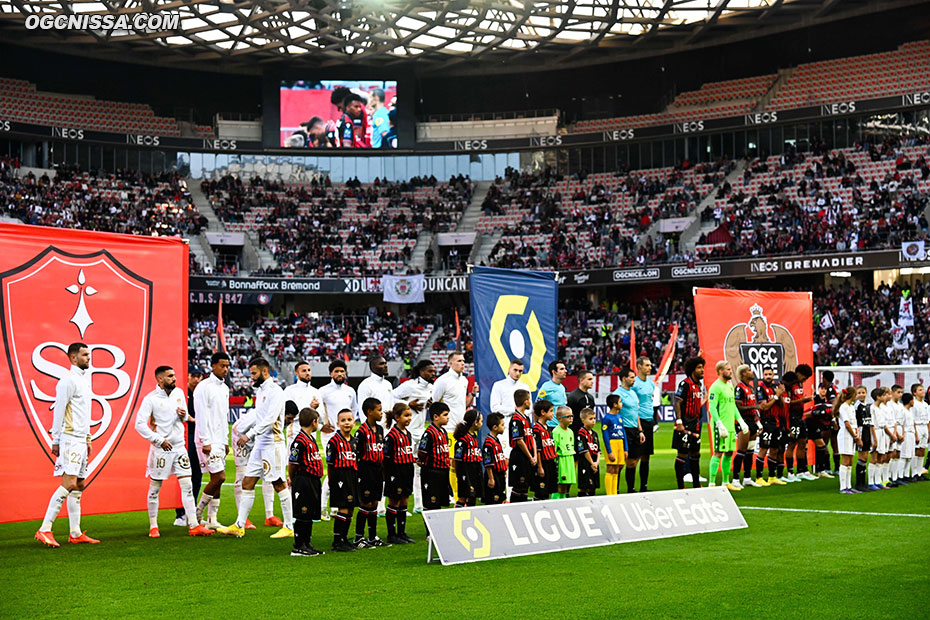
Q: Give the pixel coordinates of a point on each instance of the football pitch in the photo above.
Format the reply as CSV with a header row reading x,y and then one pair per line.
x,y
791,562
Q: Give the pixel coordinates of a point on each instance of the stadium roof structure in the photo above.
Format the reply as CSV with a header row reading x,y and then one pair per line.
x,y
501,36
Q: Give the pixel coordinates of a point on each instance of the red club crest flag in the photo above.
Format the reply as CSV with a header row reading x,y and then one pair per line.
x,y
758,328
123,296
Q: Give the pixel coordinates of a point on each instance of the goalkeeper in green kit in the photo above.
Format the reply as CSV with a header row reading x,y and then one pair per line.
x,y
724,417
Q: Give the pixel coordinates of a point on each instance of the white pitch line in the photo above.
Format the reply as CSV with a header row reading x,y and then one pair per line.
x,y
836,512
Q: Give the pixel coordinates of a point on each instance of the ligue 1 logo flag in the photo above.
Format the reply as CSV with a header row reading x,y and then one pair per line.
x,y
759,328
126,298
513,317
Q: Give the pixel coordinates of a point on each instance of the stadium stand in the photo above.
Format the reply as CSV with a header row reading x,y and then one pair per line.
x,y
868,197
123,202
21,102
322,337
201,344
326,229
550,221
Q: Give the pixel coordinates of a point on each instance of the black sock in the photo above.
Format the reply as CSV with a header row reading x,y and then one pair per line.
x,y
823,459
779,468
836,461
680,472
402,520
695,463
631,479
789,463
373,523
860,473
802,461
516,497
341,527
760,467
390,518
738,464
747,465
643,475
360,523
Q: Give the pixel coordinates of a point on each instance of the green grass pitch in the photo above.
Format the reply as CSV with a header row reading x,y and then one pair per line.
x,y
784,565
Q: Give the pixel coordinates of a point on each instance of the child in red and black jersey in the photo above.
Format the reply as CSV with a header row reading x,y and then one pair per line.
x,y
398,472
522,449
369,450
467,459
546,470
433,456
587,451
343,478
495,463
304,470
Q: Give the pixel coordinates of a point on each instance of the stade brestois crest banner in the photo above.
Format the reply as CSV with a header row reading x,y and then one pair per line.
x,y
126,298
513,317
759,328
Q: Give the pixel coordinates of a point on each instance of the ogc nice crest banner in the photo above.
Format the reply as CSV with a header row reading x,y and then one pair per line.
x,y
513,317
758,328
123,296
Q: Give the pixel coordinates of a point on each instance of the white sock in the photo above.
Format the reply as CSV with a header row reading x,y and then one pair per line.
x,y
245,506
871,474
284,495
324,493
907,467
895,468
844,470
187,500
417,493
885,472
268,497
202,505
915,466
154,488
54,507
237,486
849,473
74,512
212,509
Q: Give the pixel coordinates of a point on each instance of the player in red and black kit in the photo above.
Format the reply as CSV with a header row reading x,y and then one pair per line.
x,y
547,475
433,456
398,472
745,396
829,433
819,423
342,471
797,424
369,450
467,459
304,470
689,403
495,463
768,396
522,449
587,451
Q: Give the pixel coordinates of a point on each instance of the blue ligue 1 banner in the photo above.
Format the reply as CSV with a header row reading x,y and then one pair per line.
x,y
513,317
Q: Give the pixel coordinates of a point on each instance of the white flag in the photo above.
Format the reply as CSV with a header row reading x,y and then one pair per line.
x,y
404,289
906,312
826,321
899,336
913,250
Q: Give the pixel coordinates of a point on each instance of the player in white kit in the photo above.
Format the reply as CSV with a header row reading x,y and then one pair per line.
x,y
71,445
880,415
304,396
269,455
895,420
211,402
922,421
847,439
336,396
909,443
241,454
160,420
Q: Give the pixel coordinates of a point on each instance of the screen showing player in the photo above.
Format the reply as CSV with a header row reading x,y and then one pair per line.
x,y
339,114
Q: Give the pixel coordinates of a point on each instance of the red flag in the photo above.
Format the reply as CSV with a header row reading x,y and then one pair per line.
x,y
666,362
632,345
345,353
220,335
458,329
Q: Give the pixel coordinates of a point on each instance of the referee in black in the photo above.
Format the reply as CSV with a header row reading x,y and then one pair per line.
x,y
194,376
581,398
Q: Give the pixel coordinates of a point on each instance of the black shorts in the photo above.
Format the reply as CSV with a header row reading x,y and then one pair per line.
x,y
398,481
816,427
469,479
520,474
434,483
588,479
688,440
781,438
370,482
866,433
633,444
647,448
544,485
343,487
306,492
498,494
768,438
797,429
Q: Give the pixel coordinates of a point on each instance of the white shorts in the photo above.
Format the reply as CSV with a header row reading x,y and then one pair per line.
x,y
881,441
163,463
72,457
505,437
215,462
268,462
241,454
923,437
845,443
908,446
